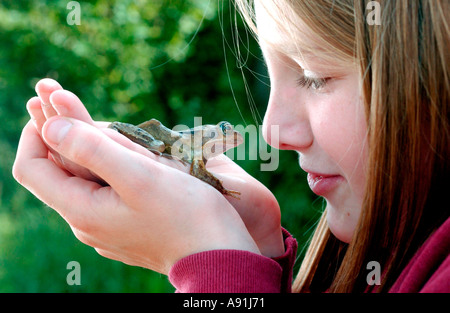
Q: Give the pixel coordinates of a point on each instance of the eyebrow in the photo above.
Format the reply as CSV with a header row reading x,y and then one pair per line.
x,y
291,50
313,62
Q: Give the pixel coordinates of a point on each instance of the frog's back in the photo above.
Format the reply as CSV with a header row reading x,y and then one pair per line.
x,y
151,126
160,132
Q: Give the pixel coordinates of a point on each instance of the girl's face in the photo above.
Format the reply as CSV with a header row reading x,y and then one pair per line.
x,y
318,108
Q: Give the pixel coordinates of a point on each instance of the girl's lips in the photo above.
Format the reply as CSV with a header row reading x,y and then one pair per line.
x,y
323,184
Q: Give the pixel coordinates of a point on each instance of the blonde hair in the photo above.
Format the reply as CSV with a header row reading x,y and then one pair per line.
x,y
404,68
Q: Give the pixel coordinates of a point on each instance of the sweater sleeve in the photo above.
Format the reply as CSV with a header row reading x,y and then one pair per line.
x,y
235,271
429,268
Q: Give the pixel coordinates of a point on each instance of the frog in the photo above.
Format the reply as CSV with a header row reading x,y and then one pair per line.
x,y
192,147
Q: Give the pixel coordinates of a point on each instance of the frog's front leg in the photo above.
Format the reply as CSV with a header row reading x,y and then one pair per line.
x,y
139,136
199,170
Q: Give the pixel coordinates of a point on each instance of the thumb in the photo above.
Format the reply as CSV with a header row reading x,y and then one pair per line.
x,y
89,147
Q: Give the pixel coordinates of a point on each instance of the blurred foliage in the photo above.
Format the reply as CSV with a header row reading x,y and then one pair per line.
x,y
129,61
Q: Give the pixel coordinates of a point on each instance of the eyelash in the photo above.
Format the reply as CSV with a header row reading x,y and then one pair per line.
x,y
312,83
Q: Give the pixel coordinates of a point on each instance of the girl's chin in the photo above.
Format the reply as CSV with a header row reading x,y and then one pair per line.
x,y
341,223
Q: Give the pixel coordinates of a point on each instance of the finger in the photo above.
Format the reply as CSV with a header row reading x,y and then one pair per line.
x,y
89,147
38,118
31,144
100,124
127,143
35,111
75,199
44,88
68,104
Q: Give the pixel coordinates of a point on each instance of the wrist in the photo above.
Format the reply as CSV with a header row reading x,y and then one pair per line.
x,y
272,246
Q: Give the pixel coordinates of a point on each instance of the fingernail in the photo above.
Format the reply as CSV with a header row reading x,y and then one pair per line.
x,y
57,130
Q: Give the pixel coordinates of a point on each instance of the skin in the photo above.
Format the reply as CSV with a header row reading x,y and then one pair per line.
x,y
326,126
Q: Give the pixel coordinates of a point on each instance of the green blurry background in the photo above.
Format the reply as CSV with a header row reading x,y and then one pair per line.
x,y
128,61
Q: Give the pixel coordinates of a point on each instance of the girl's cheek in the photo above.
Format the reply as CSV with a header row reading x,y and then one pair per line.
x,y
340,129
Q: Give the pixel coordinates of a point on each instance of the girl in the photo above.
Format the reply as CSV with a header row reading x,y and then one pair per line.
x,y
366,108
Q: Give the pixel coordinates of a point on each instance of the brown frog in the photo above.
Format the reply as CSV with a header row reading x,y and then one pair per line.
x,y
194,146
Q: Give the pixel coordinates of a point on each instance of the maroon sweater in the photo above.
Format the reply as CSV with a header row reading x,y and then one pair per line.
x,y
242,271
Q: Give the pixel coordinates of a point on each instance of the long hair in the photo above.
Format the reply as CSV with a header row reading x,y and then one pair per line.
x,y
404,70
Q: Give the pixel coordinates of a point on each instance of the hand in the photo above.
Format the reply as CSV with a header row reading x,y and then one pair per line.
x,y
135,219
125,220
257,206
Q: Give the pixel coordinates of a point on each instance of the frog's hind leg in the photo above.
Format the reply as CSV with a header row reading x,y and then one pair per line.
x,y
169,156
199,170
231,193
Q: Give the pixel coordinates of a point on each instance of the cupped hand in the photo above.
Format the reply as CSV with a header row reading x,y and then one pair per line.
x,y
150,213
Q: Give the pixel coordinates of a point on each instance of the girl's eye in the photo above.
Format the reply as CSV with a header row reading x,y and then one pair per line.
x,y
312,83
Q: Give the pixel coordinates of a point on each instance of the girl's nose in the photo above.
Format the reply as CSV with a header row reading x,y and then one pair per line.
x,y
286,124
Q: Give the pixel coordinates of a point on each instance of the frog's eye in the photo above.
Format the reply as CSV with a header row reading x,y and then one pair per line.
x,y
226,127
